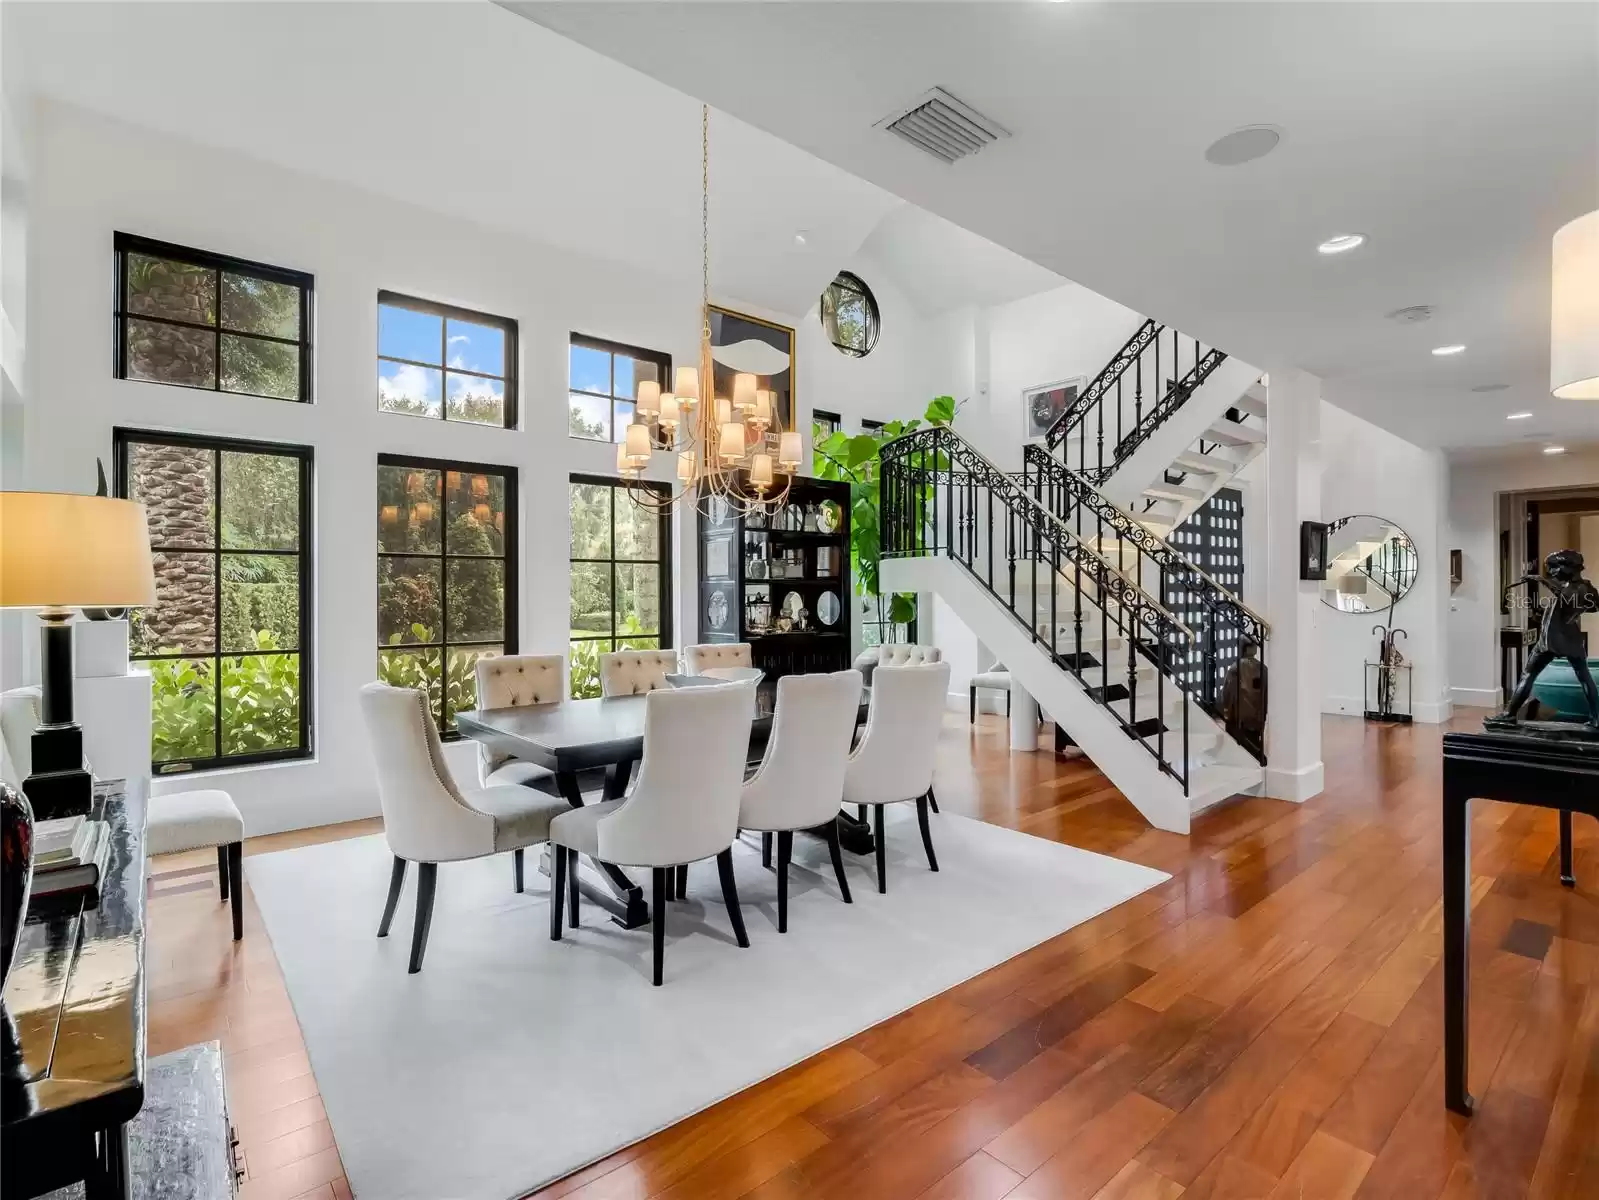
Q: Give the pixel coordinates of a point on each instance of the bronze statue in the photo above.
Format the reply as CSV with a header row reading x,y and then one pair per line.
x,y
1243,697
1559,635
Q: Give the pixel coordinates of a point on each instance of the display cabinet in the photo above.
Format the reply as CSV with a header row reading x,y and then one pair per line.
x,y
779,581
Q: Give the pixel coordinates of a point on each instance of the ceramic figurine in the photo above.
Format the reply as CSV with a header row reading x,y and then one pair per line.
x,y
1559,635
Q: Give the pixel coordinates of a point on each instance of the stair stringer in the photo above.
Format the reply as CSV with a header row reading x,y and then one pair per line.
x,y
1221,391
1124,761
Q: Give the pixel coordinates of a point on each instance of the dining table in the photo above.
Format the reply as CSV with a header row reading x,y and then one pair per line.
x,y
597,740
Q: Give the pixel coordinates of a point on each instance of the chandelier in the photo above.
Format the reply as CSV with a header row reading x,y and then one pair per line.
x,y
733,447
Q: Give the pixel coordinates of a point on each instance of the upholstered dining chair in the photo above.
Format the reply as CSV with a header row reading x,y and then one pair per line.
x,y
894,654
683,807
894,761
427,819
698,659
629,672
202,819
996,679
510,681
801,780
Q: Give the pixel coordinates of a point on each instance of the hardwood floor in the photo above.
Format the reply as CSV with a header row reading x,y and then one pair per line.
x,y
1266,1025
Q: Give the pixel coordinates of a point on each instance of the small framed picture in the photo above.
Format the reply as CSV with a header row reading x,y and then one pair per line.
x,y
1043,405
1312,550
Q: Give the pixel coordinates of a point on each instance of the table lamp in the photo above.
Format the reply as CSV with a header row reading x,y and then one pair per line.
x,y
60,551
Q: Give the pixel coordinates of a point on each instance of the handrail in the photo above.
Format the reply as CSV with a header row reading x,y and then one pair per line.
x,y
1109,374
1033,502
1176,396
1135,531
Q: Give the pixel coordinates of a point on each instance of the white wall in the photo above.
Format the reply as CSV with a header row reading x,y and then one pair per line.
x,y
1369,470
93,177
15,203
1474,618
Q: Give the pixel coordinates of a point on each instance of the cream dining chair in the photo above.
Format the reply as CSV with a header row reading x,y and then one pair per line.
x,y
629,672
698,659
511,681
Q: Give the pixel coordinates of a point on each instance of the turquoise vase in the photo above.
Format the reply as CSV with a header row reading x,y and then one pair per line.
x,y
1557,688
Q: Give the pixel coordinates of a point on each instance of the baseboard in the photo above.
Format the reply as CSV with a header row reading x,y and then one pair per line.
x,y
988,701
1475,697
1297,786
1347,706
1435,714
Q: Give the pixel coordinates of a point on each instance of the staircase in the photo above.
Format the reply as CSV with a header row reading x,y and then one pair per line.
x,y
1069,603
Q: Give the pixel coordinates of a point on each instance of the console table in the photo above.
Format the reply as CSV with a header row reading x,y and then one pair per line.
x,y
1521,769
74,1028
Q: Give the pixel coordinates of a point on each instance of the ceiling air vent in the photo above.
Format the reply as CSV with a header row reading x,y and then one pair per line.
x,y
943,127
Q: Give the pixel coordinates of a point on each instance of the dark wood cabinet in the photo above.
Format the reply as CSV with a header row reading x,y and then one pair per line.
x,y
779,581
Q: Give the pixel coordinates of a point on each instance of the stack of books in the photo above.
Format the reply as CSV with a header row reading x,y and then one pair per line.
x,y
69,859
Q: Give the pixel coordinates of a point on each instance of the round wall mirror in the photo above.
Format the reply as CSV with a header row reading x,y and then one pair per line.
x,y
828,608
1371,564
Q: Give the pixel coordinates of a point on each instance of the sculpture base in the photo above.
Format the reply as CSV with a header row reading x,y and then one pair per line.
x,y
1564,731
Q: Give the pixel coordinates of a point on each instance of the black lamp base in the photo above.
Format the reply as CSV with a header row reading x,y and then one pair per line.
x,y
60,786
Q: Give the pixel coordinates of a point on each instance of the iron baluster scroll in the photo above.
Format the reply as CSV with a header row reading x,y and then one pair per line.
x,y
1154,565
1124,358
941,497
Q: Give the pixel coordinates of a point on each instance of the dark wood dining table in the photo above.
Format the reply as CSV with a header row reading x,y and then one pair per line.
x,y
578,739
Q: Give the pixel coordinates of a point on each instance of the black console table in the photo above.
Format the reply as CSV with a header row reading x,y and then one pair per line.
x,y
1561,774
75,1028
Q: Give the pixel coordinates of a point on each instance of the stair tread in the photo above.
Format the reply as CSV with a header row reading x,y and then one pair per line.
x,y
1194,462
1234,433
1174,491
1251,404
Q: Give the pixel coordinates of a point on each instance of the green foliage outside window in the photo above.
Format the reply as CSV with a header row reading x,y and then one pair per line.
x,y
260,703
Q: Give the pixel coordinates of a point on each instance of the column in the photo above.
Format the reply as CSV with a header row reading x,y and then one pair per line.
x,y
1293,652
1023,718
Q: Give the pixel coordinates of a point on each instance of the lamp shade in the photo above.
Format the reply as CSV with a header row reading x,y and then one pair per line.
x,y
732,441
649,399
669,411
638,444
744,391
762,414
60,550
1574,311
761,471
788,450
687,386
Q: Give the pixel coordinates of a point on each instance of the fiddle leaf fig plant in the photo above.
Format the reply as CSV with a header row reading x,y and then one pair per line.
x,y
854,459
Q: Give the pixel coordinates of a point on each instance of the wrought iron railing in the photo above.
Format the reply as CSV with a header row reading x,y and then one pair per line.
x,y
940,496
1160,369
1154,566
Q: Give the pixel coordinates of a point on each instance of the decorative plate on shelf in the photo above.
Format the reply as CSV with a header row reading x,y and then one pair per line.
x,y
830,517
828,608
793,606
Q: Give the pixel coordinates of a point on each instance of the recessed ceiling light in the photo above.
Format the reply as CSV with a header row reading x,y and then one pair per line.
x,y
1444,351
799,238
1554,449
1521,416
1341,243
1243,145
1491,387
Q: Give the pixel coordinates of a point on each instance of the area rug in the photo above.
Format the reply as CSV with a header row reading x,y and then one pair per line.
x,y
511,1060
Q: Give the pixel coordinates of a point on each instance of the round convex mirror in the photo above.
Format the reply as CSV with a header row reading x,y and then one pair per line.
x,y
1371,565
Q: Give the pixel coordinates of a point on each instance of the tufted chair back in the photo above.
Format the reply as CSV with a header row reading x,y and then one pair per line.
x,y
894,760
698,659
900,654
629,672
19,717
511,681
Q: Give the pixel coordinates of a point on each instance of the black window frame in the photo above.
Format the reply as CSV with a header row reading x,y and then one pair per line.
x,y
125,244
848,281
663,559
510,538
870,426
832,421
447,312
613,348
121,440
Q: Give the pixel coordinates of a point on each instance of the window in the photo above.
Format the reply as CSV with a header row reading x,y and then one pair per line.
x,y
444,362
230,536
201,320
824,424
621,577
877,629
603,382
849,315
868,426
446,576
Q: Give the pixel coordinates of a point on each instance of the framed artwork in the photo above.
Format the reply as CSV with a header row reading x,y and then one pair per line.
x,y
1313,550
1042,405
765,350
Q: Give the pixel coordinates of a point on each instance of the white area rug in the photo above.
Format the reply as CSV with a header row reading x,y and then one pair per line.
x,y
511,1060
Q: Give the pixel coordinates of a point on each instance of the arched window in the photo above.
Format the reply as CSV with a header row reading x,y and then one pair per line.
x,y
849,314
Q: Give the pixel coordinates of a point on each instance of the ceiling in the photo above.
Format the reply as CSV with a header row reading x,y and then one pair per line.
x,y
1456,136
940,266
521,130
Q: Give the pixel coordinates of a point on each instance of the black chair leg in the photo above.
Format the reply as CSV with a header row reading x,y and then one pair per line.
x,y
882,853
974,704
222,870
516,861
766,851
681,886
658,915
396,882
557,890
785,851
927,832
932,799
236,886
427,877
571,888
724,868
833,849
